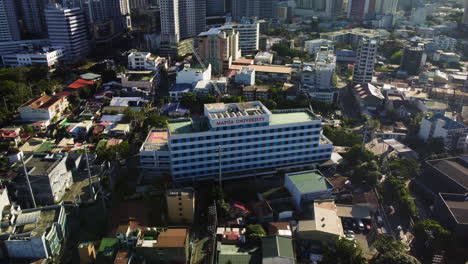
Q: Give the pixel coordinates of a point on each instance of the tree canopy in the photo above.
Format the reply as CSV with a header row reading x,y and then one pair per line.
x,y
343,252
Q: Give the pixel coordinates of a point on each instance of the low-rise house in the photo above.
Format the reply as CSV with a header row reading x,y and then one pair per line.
x,y
306,186
145,61
191,75
396,102
267,73
35,233
238,254
49,175
400,149
453,134
80,130
255,93
163,245
368,96
448,57
139,79
119,131
177,90
10,134
277,250
78,84
174,110
132,102
279,229
263,57
245,76
326,226
43,109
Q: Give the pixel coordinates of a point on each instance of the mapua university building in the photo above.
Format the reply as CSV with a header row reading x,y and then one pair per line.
x,y
235,140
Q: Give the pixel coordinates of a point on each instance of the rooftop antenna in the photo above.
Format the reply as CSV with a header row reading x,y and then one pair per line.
x,y
27,180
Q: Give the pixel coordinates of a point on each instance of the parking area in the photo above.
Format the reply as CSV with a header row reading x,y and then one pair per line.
x,y
362,232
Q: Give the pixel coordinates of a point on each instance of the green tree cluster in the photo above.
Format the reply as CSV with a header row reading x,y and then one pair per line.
x,y
342,136
194,103
106,153
396,193
431,235
255,233
391,251
358,155
367,172
343,251
404,168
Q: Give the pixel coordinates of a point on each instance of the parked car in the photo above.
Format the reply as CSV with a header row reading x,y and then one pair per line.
x,y
379,220
360,225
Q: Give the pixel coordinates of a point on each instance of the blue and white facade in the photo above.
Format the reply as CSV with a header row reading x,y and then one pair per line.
x,y
246,139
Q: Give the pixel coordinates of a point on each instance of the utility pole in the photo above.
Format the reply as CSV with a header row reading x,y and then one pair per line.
x,y
89,172
27,180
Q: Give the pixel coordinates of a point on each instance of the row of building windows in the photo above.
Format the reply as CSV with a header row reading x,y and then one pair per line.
x,y
273,145
254,140
250,133
250,166
205,159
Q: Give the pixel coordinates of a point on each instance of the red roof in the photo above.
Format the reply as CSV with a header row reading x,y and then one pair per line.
x,y
63,94
80,83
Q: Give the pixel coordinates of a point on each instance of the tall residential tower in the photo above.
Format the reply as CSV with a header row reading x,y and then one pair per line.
x,y
365,61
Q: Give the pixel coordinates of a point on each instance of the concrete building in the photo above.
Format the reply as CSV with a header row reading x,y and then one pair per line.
x,y
277,250
145,61
192,75
365,61
35,233
268,73
33,16
419,15
352,36
326,226
216,8
49,176
249,32
307,186
182,19
368,96
43,108
451,210
34,55
263,57
454,135
360,10
313,46
181,205
447,57
67,29
325,9
253,93
445,43
319,75
220,47
145,80
9,30
250,138
386,6
413,59
446,175
245,76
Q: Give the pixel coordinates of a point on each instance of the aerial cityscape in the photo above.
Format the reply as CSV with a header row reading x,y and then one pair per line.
x,y
234,131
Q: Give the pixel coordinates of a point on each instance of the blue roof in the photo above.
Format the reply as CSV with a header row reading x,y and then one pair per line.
x,y
449,123
345,53
174,107
181,87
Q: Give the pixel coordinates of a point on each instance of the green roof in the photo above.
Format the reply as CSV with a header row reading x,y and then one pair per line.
x,y
309,181
289,118
277,246
107,243
237,255
47,146
180,127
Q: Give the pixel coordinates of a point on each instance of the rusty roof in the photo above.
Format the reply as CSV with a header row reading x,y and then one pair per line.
x,y
44,101
172,237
